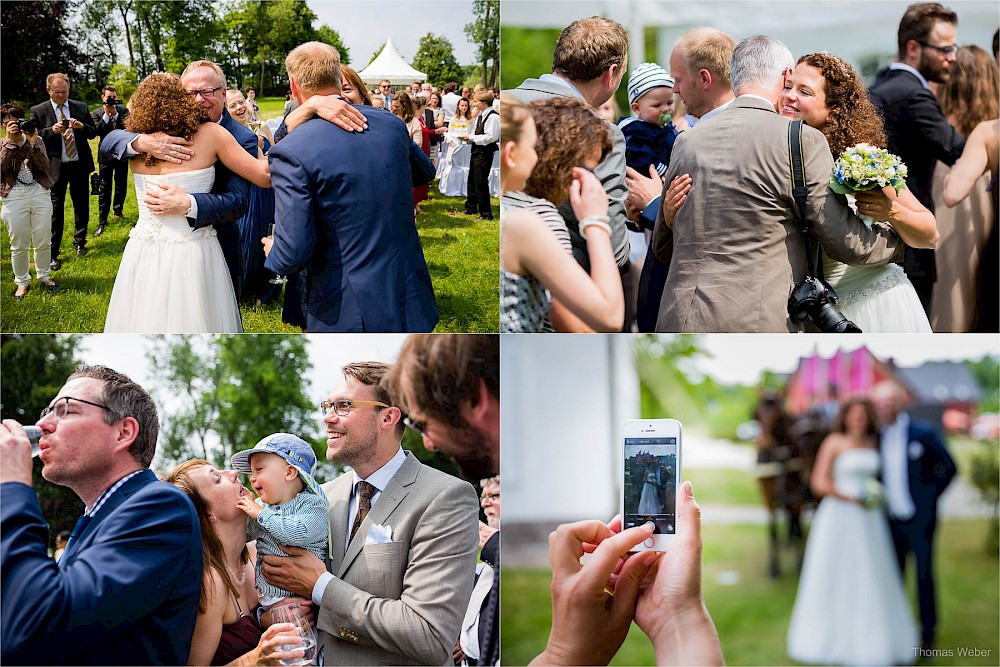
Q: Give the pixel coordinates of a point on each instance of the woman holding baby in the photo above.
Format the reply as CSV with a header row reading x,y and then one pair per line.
x,y
227,630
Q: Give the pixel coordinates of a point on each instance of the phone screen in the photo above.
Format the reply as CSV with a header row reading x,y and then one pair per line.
x,y
650,483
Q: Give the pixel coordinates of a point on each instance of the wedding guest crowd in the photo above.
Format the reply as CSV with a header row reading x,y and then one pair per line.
x,y
706,267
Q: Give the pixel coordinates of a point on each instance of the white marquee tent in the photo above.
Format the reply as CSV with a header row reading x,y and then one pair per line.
x,y
390,65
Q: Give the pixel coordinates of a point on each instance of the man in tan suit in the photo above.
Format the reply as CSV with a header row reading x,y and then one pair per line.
x,y
736,253
405,538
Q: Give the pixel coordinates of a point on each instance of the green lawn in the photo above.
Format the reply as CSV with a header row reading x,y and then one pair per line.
x,y
724,485
752,616
462,254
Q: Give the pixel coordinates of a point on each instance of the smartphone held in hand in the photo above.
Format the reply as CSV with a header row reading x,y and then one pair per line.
x,y
651,453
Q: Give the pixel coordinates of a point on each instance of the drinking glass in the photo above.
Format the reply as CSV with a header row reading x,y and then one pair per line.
x,y
34,435
276,280
294,614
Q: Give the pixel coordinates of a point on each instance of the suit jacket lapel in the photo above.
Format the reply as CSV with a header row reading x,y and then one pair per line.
x,y
117,498
387,502
339,494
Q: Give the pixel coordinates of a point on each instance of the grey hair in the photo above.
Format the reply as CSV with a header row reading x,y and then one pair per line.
x,y
759,60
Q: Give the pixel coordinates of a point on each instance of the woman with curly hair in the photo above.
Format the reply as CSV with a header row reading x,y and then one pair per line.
x,y
826,93
174,279
534,267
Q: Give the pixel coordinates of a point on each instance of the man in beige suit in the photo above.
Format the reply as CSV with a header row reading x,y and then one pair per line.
x,y
736,251
405,539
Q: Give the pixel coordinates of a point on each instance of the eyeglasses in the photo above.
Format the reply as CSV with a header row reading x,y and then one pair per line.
x,y
61,406
417,425
204,92
492,497
342,406
943,50
384,86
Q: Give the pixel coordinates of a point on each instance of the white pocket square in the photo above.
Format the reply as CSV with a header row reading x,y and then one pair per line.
x,y
379,534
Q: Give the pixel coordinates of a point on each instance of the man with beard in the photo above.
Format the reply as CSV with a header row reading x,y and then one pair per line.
x,y
449,384
918,132
404,539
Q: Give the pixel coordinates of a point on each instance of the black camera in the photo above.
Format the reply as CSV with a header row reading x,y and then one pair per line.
x,y
27,125
814,300
96,184
111,101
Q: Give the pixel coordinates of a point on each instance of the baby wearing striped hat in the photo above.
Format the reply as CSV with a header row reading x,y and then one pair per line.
x,y
649,134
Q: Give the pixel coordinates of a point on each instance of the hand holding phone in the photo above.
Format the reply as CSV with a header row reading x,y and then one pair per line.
x,y
651,455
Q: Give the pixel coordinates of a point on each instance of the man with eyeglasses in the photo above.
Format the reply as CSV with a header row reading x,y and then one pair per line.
x,y
230,195
917,130
126,589
404,536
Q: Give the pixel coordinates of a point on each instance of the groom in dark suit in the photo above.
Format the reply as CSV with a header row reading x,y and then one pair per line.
x,y
230,195
916,469
66,128
344,209
918,132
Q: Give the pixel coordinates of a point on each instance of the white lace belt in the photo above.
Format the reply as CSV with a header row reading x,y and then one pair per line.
x,y
159,233
892,276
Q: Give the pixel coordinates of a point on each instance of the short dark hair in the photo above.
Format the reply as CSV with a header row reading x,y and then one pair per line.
x,y
11,109
919,20
372,374
450,87
588,47
124,398
443,370
107,88
249,88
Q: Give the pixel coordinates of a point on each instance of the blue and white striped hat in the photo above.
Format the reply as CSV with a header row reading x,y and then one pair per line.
x,y
644,78
296,451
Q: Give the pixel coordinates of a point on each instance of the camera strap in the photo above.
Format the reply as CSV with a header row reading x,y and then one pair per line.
x,y
800,194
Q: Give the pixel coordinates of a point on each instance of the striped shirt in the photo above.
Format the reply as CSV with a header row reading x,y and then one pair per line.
x,y
301,522
548,212
103,498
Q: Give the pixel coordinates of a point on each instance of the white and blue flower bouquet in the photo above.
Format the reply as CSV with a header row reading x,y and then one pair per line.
x,y
866,167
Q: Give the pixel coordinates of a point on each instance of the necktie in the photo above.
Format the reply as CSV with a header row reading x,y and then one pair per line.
x,y
68,141
365,493
81,525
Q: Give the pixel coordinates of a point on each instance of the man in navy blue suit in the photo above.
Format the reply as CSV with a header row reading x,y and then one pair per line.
x,y
916,469
344,210
230,194
917,130
126,590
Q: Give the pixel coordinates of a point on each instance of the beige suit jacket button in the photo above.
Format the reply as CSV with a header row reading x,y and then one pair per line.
x,y
344,633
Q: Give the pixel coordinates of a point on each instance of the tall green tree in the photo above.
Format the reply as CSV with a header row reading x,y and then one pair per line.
x,y
436,58
37,41
987,373
228,392
377,51
484,32
328,35
34,369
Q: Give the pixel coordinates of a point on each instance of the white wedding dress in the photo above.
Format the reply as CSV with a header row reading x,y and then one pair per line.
x,y
172,278
851,608
879,299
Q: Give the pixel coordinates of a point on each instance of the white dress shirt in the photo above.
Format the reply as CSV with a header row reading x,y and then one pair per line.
x,y
65,110
895,472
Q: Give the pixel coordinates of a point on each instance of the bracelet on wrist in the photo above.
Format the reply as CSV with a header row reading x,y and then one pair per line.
x,y
601,221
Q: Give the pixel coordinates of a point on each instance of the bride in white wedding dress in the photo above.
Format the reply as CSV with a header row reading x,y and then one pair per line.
x,y
826,93
851,607
172,278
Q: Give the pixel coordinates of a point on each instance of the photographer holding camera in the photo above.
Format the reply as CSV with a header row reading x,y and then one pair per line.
x,y
66,128
110,116
24,192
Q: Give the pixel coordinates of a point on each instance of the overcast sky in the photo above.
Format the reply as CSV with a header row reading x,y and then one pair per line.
x,y
328,353
364,26
741,358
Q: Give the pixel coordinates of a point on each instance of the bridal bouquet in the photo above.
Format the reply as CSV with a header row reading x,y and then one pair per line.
x,y
872,494
866,167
